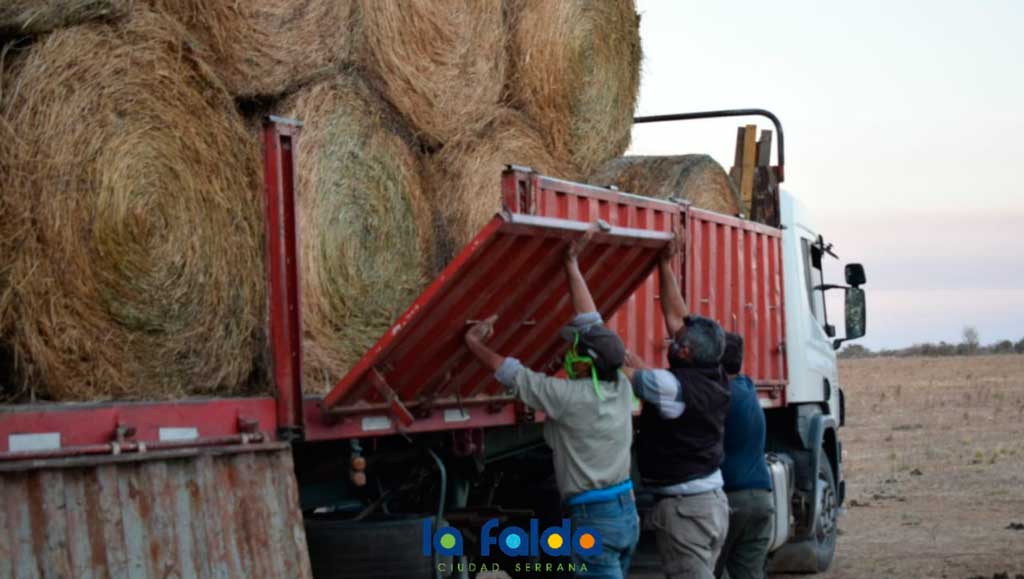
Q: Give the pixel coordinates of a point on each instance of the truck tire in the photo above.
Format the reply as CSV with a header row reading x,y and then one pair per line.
x,y
383,549
815,553
825,529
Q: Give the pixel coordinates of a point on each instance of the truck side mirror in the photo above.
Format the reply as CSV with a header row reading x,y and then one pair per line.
x,y
856,313
855,275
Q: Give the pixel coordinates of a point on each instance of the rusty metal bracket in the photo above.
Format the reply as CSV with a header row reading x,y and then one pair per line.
x,y
395,405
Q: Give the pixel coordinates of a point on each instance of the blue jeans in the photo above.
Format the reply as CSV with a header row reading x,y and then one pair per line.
x,y
619,526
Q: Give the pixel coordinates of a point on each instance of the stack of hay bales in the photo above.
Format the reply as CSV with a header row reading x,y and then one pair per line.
x,y
131,194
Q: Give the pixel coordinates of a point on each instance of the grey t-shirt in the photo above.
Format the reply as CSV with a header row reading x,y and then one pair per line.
x,y
590,437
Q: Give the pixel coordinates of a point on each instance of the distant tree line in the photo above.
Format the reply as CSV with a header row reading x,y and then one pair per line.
x,y
969,346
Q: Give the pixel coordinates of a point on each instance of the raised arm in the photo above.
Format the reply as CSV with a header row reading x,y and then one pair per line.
x,y
673,306
582,301
546,393
475,337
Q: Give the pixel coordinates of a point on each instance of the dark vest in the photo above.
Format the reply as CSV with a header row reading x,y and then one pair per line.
x,y
690,446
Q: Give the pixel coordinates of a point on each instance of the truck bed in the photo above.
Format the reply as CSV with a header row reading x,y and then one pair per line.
x,y
419,377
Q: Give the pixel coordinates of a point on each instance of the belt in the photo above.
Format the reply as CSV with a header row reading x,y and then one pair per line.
x,y
600,495
659,497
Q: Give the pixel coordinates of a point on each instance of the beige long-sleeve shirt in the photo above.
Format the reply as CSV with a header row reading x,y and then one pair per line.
x,y
590,437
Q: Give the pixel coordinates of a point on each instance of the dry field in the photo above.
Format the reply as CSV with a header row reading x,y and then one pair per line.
x,y
935,468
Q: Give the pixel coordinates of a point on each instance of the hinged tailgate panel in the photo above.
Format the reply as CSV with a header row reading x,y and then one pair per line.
x,y
513,268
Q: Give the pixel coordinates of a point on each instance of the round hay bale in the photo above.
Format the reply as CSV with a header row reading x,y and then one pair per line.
x,y
575,70
267,47
465,176
363,223
440,63
19,17
698,179
135,191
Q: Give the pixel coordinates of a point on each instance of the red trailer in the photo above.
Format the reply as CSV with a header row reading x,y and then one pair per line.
x,y
419,377
417,393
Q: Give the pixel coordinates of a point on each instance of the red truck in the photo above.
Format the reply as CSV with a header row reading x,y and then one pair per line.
x,y
418,435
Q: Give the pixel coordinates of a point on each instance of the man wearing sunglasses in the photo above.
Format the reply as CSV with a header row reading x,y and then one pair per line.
x,y
680,436
589,422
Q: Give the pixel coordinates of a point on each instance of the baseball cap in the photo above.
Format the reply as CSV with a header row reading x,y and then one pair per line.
x,y
601,344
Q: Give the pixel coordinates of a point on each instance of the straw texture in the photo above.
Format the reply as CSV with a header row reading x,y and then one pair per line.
x,y
134,218
363,223
465,177
267,47
698,179
441,63
18,17
575,70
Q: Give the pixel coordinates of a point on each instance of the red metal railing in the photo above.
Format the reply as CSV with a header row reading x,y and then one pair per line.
x,y
282,261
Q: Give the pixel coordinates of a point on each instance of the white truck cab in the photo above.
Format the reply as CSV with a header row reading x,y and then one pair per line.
x,y
805,452
803,447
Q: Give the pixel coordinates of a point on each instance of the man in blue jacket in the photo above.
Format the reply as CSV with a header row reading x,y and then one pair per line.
x,y
745,472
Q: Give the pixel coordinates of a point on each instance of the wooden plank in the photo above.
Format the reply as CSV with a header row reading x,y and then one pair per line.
x,y
747,168
737,161
764,149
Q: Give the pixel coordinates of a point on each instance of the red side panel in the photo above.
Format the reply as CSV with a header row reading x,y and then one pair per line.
x,y
733,274
85,428
640,323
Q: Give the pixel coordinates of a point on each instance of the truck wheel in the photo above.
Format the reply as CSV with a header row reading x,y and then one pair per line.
x,y
382,549
813,554
825,529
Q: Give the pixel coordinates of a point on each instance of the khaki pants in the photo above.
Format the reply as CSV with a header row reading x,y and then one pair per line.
x,y
690,531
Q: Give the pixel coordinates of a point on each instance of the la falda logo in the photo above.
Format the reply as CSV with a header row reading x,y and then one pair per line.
x,y
560,541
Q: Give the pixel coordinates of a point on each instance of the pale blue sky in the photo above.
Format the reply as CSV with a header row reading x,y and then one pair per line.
x,y
904,130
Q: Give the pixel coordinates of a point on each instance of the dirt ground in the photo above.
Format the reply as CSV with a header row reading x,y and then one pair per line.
x,y
934,458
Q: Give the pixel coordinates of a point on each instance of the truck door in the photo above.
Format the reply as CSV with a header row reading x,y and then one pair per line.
x,y
816,359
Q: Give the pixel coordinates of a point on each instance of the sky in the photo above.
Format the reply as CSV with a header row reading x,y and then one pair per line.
x,y
904,126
